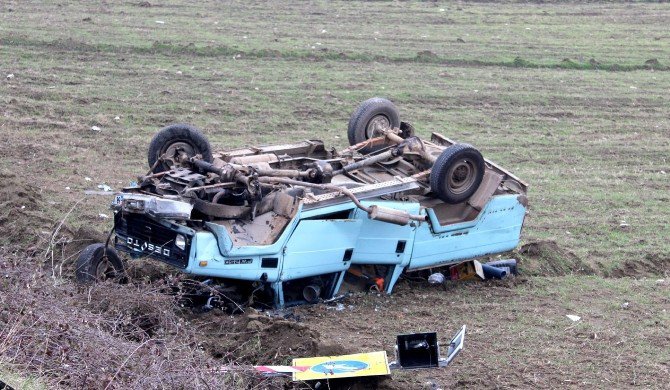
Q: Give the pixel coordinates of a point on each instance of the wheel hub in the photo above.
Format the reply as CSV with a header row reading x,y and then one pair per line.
x,y
173,151
376,125
461,176
104,270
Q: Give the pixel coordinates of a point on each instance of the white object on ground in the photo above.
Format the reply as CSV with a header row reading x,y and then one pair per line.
x,y
436,278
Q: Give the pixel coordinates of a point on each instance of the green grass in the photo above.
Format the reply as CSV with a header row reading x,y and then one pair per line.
x,y
590,136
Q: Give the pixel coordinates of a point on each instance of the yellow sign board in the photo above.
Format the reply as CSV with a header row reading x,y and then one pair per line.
x,y
344,366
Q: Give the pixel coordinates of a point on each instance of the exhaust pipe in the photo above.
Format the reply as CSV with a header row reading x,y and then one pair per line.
x,y
311,293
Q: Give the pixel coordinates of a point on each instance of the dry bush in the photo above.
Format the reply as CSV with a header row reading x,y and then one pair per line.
x,y
104,336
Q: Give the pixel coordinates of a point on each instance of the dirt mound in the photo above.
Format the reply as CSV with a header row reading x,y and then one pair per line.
x,y
546,258
262,338
650,265
22,218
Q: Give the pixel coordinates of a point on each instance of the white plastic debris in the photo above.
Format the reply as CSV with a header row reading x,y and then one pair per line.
x,y
436,278
117,118
179,72
574,318
338,307
10,76
67,188
103,216
160,22
95,128
104,187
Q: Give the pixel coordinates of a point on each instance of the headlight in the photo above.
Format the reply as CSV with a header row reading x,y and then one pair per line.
x,y
180,241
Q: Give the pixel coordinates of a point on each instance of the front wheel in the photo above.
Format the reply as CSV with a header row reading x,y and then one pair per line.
x,y
172,141
372,116
97,263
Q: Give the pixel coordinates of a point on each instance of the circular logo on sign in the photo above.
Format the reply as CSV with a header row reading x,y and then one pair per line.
x,y
339,366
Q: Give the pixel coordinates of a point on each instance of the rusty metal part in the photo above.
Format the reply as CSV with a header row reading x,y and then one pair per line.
x,y
342,190
421,175
282,204
207,187
259,158
152,176
489,184
398,217
285,172
158,161
367,162
221,210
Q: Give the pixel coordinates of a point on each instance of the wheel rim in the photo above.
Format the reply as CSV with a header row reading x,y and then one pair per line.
x,y
172,151
104,270
376,125
461,176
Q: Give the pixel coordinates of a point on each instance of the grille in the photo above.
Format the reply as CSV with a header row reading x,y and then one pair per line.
x,y
142,236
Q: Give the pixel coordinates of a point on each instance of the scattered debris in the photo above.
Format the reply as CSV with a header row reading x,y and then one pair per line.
x,y
345,366
338,307
467,270
436,278
103,216
104,187
160,22
95,128
421,350
574,318
491,272
508,265
10,76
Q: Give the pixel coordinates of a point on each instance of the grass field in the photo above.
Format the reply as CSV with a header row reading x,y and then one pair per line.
x,y
572,97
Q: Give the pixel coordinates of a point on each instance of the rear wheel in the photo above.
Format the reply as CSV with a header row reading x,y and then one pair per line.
x,y
372,116
95,264
457,173
172,141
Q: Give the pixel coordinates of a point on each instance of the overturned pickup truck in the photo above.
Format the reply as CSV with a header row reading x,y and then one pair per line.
x,y
300,223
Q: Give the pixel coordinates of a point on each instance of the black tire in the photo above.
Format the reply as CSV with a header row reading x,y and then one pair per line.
x,y
457,173
175,136
371,113
94,264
